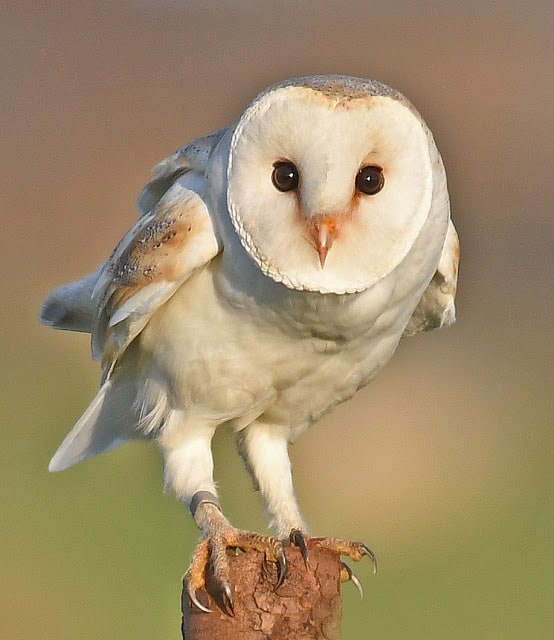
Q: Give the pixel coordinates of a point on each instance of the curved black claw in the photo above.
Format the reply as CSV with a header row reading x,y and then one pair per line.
x,y
299,539
227,598
369,553
281,567
352,577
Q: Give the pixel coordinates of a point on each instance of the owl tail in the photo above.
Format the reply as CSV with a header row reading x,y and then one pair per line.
x,y
107,423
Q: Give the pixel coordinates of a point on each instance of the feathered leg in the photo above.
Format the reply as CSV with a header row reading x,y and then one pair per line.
x,y
188,471
265,450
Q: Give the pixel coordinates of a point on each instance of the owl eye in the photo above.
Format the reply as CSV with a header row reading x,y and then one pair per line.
x,y
370,180
285,176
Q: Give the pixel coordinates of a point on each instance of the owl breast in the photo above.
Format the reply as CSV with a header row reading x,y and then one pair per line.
x,y
231,359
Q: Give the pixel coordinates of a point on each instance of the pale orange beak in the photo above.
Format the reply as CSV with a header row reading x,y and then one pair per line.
x,y
323,232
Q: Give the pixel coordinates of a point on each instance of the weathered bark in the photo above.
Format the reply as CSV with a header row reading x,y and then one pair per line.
x,y
307,606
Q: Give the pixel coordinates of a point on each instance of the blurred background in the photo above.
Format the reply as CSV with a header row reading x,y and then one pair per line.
x,y
443,465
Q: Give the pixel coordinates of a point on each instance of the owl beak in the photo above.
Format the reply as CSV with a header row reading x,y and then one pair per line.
x,y
323,232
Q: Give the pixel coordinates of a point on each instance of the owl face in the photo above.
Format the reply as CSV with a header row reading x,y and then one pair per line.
x,y
329,185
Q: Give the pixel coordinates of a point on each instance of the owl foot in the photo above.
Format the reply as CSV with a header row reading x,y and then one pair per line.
x,y
212,553
354,550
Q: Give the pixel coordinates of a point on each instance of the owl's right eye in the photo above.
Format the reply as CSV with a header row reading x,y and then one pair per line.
x,y
284,176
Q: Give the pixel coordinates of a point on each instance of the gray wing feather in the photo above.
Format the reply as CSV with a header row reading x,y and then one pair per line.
x,y
436,307
70,307
192,159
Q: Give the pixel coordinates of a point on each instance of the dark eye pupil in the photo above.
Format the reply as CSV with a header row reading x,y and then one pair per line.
x,y
370,180
285,176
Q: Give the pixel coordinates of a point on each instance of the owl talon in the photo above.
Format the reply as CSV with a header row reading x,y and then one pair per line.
x,y
212,557
354,550
281,568
191,591
227,598
197,603
347,575
194,579
298,539
369,553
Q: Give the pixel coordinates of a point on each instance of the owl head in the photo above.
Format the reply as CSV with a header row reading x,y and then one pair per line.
x,y
330,180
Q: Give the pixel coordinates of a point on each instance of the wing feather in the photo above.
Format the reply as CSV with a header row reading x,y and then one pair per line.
x,y
151,262
69,307
436,307
73,306
191,160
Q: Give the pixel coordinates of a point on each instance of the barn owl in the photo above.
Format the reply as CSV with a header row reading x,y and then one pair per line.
x,y
273,269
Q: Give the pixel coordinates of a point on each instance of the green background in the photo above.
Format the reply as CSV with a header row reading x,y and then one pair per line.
x,y
443,465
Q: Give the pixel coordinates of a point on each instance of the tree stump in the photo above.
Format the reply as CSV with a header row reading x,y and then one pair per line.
x,y
307,606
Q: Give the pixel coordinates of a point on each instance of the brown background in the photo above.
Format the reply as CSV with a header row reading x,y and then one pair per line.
x,y
443,464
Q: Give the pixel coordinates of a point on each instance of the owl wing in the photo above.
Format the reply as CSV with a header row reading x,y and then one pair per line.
x,y
165,203
190,160
159,253
436,307
173,238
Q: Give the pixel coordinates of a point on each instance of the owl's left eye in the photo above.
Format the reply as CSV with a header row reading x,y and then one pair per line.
x,y
370,180
285,176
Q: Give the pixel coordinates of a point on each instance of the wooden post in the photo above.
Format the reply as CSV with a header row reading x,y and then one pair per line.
x,y
307,606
